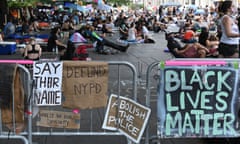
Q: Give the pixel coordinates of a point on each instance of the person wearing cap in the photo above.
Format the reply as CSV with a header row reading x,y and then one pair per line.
x,y
32,50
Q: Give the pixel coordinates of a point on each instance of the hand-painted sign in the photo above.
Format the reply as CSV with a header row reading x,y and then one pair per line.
x,y
198,101
58,119
85,84
127,116
47,83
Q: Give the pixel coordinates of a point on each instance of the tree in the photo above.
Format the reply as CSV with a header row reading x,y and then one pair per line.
x,y
3,12
119,2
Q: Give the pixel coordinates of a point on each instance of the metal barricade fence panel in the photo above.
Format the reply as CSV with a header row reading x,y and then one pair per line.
x,y
11,133
122,82
153,131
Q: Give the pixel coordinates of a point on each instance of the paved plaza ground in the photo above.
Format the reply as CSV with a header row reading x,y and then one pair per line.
x,y
141,56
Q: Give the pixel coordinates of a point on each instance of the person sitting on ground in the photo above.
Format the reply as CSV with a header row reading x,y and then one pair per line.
x,y
9,29
194,50
25,27
189,37
212,44
123,29
67,25
53,43
105,29
132,33
203,36
33,51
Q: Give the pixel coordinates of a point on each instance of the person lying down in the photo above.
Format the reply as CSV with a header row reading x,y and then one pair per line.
x,y
194,50
183,50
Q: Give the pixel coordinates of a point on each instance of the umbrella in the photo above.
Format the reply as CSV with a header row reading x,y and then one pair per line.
x,y
194,7
75,7
167,4
199,11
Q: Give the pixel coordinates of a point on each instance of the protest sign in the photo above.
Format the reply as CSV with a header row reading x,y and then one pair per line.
x,y
127,116
58,119
47,83
198,101
85,84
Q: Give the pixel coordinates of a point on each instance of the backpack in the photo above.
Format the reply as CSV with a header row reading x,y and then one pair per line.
x,y
80,53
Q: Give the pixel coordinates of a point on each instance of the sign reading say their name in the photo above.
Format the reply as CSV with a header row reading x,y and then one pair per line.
x,y
198,101
127,116
47,83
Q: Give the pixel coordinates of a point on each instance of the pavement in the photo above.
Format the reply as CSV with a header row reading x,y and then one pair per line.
x,y
141,56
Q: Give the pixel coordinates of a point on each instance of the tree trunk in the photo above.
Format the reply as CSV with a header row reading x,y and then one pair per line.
x,y
3,12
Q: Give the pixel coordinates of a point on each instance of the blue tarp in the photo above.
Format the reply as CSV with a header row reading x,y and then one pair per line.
x,y
75,7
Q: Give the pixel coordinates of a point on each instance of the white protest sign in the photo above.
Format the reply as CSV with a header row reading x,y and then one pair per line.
x,y
127,116
47,83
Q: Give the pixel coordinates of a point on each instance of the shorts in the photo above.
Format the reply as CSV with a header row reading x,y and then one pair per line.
x,y
227,49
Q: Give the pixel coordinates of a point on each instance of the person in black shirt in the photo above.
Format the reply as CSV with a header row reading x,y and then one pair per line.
x,y
32,51
53,43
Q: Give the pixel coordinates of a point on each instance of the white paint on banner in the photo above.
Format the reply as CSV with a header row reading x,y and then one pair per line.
x,y
47,83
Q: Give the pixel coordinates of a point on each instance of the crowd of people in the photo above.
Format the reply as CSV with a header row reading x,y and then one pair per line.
x,y
214,33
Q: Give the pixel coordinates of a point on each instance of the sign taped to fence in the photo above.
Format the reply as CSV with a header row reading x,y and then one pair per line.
x,y
198,101
127,116
85,84
47,83
58,119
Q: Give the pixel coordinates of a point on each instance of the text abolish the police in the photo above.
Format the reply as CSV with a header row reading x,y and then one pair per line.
x,y
198,101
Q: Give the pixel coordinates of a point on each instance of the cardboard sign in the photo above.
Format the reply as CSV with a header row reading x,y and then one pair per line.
x,y
58,119
127,116
198,101
47,83
85,84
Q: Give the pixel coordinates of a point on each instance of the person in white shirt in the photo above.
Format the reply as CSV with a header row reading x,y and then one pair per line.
x,y
145,31
229,42
132,32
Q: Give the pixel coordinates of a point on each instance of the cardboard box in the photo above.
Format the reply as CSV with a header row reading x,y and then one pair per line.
x,y
7,48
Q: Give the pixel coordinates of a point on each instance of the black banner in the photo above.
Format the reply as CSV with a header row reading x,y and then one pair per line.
x,y
198,101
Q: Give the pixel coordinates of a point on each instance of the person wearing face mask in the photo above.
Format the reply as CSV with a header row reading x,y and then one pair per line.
x,y
229,41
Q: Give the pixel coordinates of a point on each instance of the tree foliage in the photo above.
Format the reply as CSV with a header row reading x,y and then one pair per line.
x,y
26,3
119,2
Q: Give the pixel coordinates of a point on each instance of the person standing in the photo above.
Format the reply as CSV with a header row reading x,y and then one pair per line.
x,y
229,41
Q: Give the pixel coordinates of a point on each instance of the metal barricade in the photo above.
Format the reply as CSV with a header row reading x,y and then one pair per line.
x,y
122,82
152,135
6,133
